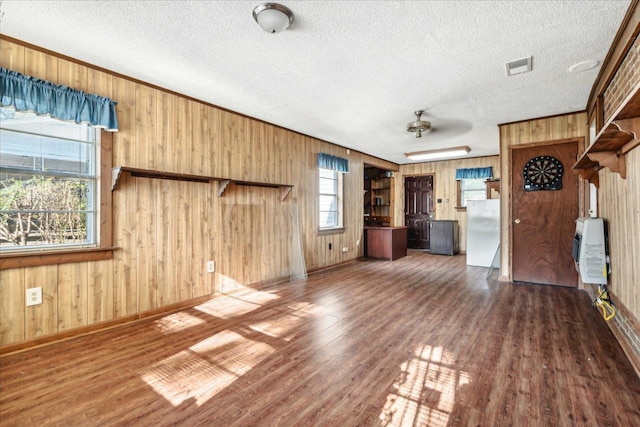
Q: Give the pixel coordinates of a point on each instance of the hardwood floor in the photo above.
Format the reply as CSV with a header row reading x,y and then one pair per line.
x,y
424,340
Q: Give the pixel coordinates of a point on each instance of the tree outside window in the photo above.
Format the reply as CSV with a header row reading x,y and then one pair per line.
x,y
48,182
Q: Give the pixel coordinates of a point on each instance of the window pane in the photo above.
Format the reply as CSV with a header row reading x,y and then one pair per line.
x,y
42,125
328,203
328,219
330,198
48,186
473,184
328,186
36,210
37,153
328,173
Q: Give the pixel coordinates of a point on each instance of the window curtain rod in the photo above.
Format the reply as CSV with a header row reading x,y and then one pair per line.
x,y
26,93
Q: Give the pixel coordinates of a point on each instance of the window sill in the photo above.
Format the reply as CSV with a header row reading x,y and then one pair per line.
x,y
461,208
34,259
327,231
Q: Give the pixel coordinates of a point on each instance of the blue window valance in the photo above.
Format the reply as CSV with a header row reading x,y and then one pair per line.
x,y
327,161
26,93
474,173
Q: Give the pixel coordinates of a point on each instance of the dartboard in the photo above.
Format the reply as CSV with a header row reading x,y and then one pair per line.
x,y
543,173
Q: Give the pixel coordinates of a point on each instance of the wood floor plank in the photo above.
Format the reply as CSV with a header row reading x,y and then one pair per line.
x,y
423,340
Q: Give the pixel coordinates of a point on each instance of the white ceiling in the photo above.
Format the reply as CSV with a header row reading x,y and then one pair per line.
x,y
347,72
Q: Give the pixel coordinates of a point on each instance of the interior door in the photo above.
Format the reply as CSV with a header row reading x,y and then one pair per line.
x,y
418,200
543,215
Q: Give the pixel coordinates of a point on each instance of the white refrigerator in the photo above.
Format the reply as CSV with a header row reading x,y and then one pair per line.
x,y
483,231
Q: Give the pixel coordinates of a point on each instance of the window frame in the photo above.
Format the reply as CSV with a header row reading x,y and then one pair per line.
x,y
461,206
339,202
104,248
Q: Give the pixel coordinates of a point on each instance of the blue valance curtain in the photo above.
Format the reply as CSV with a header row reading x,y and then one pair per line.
x,y
474,173
26,93
327,161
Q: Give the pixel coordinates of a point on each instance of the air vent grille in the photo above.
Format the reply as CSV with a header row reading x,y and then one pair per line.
x,y
519,66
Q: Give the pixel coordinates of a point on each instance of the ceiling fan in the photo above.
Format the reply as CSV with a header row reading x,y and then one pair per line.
x,y
419,126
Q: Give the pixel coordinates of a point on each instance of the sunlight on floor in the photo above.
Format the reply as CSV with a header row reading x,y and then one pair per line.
x,y
192,374
177,322
240,302
280,327
425,390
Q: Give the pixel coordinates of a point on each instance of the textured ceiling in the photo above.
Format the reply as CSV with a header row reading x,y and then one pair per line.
x,y
347,72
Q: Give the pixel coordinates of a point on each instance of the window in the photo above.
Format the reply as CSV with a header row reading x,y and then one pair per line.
x,y
330,199
49,183
471,189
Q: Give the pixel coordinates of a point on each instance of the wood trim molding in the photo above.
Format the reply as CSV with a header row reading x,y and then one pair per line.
x,y
578,139
541,118
35,259
622,42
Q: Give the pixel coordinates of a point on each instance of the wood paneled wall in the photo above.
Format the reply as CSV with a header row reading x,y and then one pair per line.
x,y
165,231
445,188
619,205
534,131
619,199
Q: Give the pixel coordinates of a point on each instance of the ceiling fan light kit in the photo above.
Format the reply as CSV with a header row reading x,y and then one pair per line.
x,y
419,126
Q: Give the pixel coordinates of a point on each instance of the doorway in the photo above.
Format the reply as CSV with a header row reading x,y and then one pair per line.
x,y
544,207
418,210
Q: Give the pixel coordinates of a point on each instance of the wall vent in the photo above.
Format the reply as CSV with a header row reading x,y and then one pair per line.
x,y
519,66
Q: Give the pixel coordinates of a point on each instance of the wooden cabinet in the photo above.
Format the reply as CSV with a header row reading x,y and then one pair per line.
x,y
444,237
378,197
386,242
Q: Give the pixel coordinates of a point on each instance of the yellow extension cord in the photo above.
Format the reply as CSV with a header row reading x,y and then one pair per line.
x,y
602,301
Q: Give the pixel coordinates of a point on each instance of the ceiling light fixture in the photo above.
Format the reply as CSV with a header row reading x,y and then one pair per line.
x,y
273,17
439,154
419,126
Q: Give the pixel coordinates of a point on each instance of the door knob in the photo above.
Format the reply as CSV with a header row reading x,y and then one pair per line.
x,y
517,221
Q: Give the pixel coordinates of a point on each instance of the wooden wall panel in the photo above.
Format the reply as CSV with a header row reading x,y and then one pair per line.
x,y
445,188
40,64
73,302
165,231
124,200
72,75
12,56
12,306
529,132
619,205
100,299
42,319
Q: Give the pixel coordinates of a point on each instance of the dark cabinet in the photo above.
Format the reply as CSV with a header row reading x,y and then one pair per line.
x,y
444,237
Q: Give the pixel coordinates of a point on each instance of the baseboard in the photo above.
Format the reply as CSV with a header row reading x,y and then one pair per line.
x,y
98,327
127,320
625,317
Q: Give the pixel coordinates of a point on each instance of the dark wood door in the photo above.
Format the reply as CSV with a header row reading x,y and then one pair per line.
x,y
543,221
418,201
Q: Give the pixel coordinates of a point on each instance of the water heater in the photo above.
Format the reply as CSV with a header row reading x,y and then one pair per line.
x,y
589,250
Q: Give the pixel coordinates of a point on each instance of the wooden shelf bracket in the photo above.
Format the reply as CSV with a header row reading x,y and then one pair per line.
x,y
620,135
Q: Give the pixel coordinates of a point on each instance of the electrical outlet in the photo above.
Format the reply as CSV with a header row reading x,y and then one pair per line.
x,y
211,266
358,242
34,296
345,249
